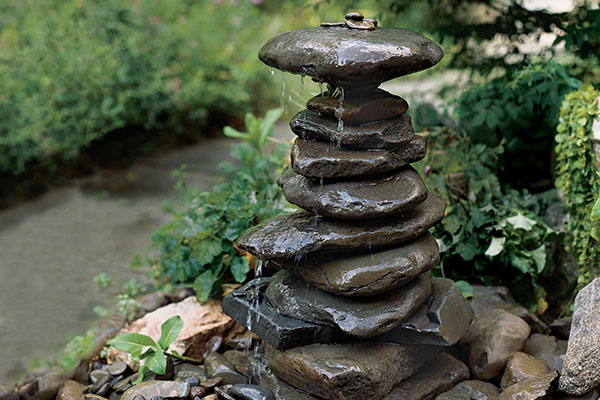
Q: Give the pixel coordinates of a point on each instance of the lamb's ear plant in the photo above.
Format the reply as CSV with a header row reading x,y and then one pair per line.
x,y
154,354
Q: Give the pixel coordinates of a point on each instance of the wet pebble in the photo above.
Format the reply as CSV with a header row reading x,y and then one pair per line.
x,y
214,345
197,392
355,16
219,366
211,397
98,374
251,392
187,370
223,392
210,383
193,381
117,368
139,397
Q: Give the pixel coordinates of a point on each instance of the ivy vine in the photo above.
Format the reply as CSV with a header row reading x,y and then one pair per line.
x,y
578,178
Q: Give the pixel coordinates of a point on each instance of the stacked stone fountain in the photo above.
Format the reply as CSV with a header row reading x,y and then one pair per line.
x,y
354,309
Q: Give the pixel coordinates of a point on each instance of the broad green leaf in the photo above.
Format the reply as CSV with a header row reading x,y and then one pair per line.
x,y
522,264
520,221
596,210
169,331
240,266
203,285
157,362
140,373
232,133
495,247
539,258
465,288
132,343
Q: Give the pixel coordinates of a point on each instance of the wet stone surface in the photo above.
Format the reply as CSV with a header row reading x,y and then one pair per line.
x,y
352,371
535,388
356,199
157,388
442,321
356,316
251,392
317,160
520,367
436,376
377,105
371,273
471,390
388,134
292,236
351,57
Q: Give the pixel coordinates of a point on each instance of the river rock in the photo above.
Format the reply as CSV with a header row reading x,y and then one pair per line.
x,y
251,392
388,134
238,360
492,340
581,369
486,298
357,199
540,387
318,160
520,367
218,366
44,387
593,395
371,106
471,390
151,389
351,371
368,274
292,236
436,376
351,58
561,328
70,390
200,323
356,316
442,321
547,349
184,371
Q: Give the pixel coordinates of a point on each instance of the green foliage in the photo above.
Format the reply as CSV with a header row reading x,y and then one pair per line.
x,y
490,234
103,280
133,288
128,306
72,71
577,177
142,347
522,109
197,247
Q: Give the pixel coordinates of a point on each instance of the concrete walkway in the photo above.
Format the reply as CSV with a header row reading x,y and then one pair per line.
x,y
51,249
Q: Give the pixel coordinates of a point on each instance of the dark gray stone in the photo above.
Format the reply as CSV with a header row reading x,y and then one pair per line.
x,y
546,348
217,366
561,328
492,340
581,369
292,236
371,273
356,199
486,298
357,316
442,321
542,387
437,376
238,359
471,390
251,392
278,330
157,388
351,57
366,107
350,371
388,134
317,160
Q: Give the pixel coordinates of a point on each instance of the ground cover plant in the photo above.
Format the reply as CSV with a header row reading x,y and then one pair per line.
x,y
197,247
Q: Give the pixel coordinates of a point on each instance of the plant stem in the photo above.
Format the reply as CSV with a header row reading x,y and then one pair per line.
x,y
183,358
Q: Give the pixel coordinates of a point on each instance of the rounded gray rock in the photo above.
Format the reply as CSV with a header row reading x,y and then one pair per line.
x,y
356,199
351,57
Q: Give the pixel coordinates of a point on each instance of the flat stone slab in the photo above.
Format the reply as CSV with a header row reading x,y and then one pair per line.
x,y
263,319
349,371
318,160
542,387
366,107
438,375
388,134
357,316
443,321
293,236
356,199
368,274
471,390
350,57
581,369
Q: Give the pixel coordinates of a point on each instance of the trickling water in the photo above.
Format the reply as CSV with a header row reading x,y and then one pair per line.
x,y
321,89
340,110
271,71
283,103
302,85
321,182
259,268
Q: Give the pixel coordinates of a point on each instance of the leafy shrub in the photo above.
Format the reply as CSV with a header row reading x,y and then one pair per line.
x,y
490,234
577,177
72,71
198,245
522,109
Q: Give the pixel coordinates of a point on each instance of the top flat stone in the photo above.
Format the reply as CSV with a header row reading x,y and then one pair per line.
x,y
351,58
